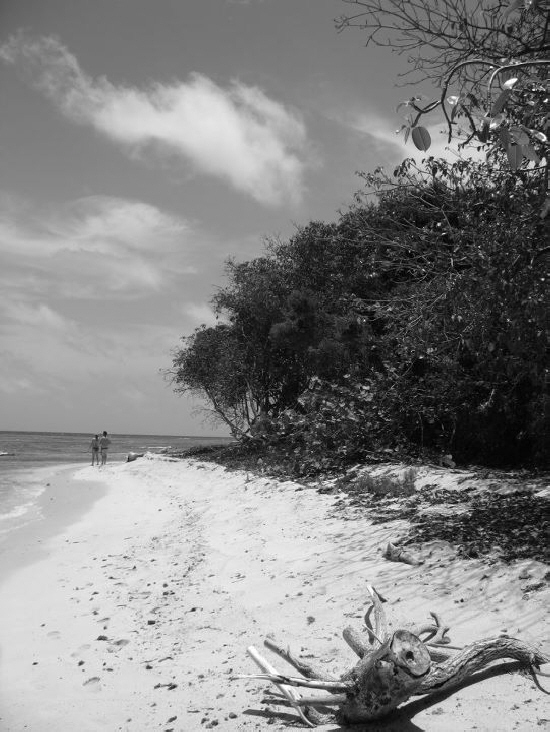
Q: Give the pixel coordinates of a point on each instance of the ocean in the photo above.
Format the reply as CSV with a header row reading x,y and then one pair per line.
x,y
26,458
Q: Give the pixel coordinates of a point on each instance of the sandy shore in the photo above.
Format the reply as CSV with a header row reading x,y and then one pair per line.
x,y
134,612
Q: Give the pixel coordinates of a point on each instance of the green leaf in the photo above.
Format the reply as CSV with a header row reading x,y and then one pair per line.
x,y
531,154
421,138
500,103
504,137
515,156
520,136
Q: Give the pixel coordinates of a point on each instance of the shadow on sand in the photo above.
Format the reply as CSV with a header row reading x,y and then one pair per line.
x,y
399,721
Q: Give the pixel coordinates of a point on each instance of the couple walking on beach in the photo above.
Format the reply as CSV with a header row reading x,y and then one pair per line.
x,y
100,445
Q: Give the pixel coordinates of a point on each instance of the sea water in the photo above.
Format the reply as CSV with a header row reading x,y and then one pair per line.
x,y
27,458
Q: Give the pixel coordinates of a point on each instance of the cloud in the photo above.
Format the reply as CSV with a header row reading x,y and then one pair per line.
x,y
10,384
199,314
90,293
40,316
92,247
42,347
384,133
102,223
46,352
236,133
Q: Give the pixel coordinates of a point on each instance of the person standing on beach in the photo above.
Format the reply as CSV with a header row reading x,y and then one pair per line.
x,y
104,443
94,447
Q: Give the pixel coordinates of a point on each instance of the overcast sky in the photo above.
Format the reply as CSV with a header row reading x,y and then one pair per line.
x,y
142,142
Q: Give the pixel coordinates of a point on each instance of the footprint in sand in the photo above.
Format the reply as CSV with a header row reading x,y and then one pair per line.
x,y
54,634
93,683
120,643
80,650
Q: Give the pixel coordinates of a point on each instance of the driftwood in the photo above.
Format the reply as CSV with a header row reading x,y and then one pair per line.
x,y
398,554
134,456
392,667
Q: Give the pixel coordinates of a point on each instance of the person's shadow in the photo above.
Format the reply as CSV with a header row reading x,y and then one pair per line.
x,y
398,721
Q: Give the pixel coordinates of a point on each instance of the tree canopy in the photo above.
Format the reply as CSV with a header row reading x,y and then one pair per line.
x,y
490,61
418,322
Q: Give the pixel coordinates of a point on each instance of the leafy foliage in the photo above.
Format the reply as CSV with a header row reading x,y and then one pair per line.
x,y
211,364
513,525
415,324
470,332
490,61
510,523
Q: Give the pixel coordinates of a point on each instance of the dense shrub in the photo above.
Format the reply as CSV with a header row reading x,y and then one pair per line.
x,y
418,323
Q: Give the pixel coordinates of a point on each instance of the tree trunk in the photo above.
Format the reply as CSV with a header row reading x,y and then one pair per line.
x,y
386,678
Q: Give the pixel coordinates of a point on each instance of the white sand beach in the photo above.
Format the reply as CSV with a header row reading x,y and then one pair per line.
x,y
131,604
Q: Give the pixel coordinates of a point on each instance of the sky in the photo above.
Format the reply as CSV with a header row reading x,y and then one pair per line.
x,y
142,144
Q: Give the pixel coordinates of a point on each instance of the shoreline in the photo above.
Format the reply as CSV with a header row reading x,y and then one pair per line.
x,y
55,509
137,613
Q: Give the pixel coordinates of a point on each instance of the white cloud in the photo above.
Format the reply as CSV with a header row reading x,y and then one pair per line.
x,y
199,314
40,316
11,384
133,394
85,292
46,350
92,247
236,133
108,223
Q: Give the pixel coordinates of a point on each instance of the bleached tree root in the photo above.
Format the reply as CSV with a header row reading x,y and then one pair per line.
x,y
396,554
476,656
392,667
290,694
